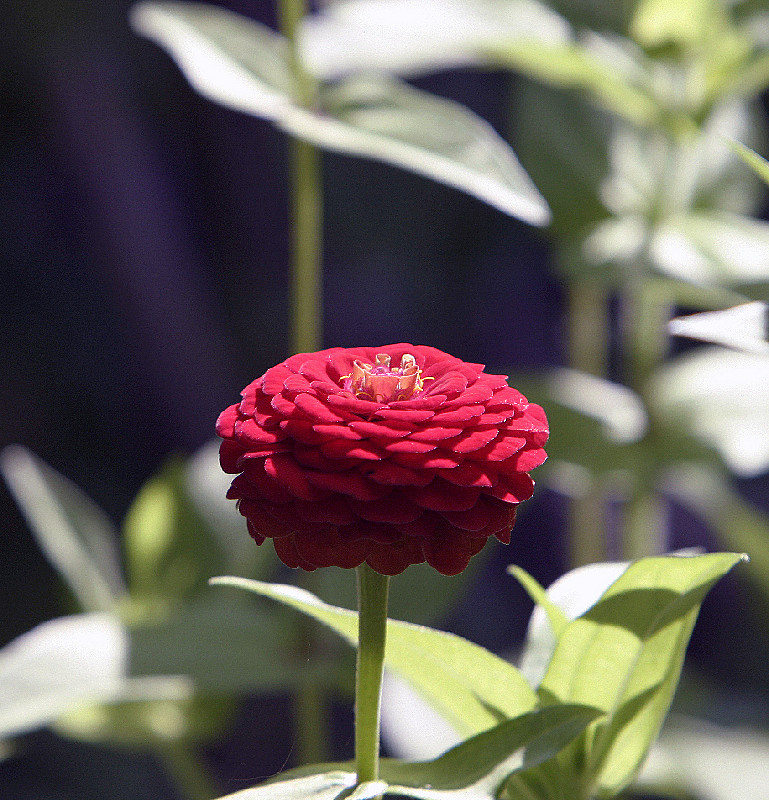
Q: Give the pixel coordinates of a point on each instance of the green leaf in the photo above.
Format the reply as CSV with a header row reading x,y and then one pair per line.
x,y
170,552
473,770
65,663
743,327
624,656
472,688
712,248
568,597
688,392
574,66
555,615
756,162
233,61
400,36
225,647
73,533
683,22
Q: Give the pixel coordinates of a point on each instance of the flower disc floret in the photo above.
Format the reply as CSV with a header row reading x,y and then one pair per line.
x,y
391,455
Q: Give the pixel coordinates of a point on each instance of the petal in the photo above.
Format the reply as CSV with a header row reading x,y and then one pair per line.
x,y
392,559
302,430
513,488
340,448
436,459
343,431
405,414
472,440
528,458
347,403
441,495
288,554
450,552
225,424
229,456
288,473
380,429
272,383
330,550
461,414
317,411
472,519
391,474
472,474
248,432
394,508
409,446
350,484
436,433
502,448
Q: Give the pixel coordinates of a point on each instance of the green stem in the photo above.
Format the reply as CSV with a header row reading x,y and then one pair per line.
x,y
188,772
372,631
306,204
588,335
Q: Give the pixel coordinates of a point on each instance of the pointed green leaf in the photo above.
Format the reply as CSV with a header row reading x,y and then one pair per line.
x,y
400,36
472,688
574,66
73,532
473,770
687,393
744,327
555,615
683,22
61,664
568,597
756,162
712,248
624,656
233,61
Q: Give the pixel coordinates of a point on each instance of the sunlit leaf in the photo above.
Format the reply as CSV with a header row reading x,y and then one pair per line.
x,y
612,83
756,162
73,533
624,656
473,770
568,597
472,688
683,22
688,395
401,37
712,247
742,327
62,664
233,61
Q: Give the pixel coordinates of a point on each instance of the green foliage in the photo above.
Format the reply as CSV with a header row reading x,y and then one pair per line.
x,y
468,685
624,656
473,770
238,63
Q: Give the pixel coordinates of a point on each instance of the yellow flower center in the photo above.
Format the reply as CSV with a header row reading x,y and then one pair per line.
x,y
382,383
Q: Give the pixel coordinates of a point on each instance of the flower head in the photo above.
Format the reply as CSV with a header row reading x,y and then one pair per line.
x,y
391,455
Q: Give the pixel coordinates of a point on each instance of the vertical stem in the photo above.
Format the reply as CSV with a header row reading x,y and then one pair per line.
x,y
588,336
306,204
372,630
189,774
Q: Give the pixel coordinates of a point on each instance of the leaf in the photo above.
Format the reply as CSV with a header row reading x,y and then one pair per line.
x,y
683,22
555,615
624,656
64,663
469,686
757,163
712,248
401,37
688,395
224,647
233,61
568,597
73,533
584,66
170,552
473,770
743,327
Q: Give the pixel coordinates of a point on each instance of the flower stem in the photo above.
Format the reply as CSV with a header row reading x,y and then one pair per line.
x,y
372,630
306,204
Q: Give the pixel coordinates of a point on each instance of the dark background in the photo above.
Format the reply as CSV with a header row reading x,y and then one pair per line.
x,y
144,257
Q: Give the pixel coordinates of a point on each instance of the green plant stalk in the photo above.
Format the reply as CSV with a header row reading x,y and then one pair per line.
x,y
306,223
588,335
188,772
372,630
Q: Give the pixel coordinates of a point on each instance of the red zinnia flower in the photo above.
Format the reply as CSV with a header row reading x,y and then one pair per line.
x,y
390,455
